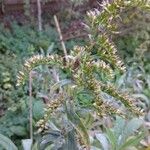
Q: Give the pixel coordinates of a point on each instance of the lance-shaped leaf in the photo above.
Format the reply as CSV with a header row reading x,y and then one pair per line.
x,y
7,143
71,142
77,124
133,141
131,127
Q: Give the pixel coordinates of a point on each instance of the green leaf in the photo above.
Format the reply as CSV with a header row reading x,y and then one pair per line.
x,y
103,140
60,84
27,144
94,148
50,49
35,146
50,147
7,143
71,141
77,124
111,137
119,128
38,109
133,141
85,98
88,120
131,127
143,97
18,130
50,138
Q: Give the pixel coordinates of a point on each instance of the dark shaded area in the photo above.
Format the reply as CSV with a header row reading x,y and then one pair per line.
x,y
14,10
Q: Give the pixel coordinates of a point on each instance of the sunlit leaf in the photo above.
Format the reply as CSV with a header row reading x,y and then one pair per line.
x,y
103,140
27,144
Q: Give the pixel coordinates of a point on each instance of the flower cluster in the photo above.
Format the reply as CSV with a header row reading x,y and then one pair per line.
x,y
105,108
49,110
85,77
84,63
35,61
124,98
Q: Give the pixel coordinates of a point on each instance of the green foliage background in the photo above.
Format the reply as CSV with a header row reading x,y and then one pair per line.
x,y
20,42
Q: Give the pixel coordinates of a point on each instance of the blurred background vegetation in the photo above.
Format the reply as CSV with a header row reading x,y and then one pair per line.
x,y
20,39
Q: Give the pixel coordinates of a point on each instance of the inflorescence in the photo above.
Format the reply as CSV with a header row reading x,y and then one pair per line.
x,y
84,64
